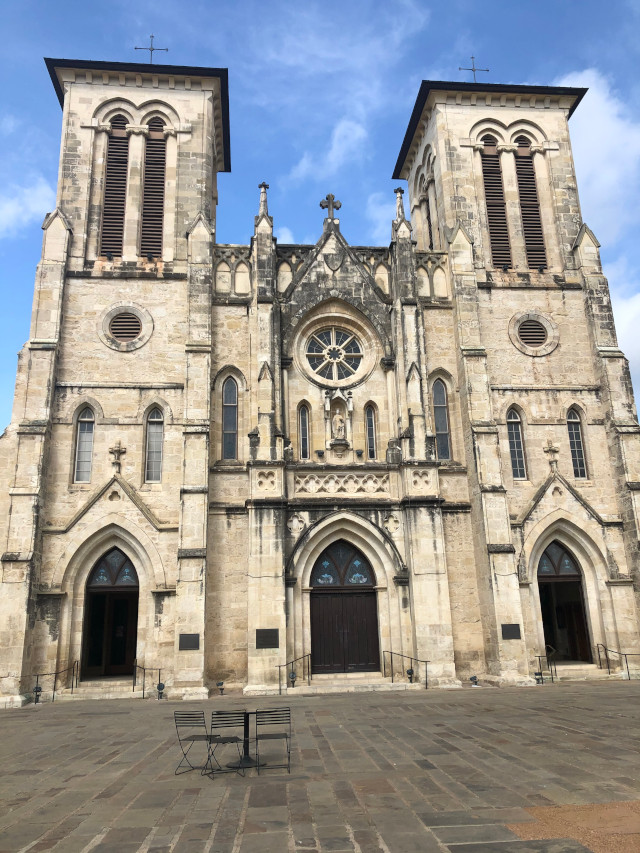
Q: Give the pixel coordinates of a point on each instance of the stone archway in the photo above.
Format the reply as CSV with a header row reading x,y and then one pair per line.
x,y
110,617
344,612
562,606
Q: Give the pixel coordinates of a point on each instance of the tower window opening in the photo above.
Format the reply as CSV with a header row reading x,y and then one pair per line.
x,y
115,189
530,206
496,208
155,156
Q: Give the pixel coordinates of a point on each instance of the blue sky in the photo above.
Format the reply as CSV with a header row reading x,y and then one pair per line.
x,y
320,97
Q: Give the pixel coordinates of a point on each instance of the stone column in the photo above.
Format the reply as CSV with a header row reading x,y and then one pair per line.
x,y
133,204
512,204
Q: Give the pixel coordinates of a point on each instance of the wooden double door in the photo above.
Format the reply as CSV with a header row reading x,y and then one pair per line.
x,y
344,612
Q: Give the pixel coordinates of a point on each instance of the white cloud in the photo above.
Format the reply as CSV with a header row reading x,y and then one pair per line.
x,y
346,145
284,234
606,146
380,211
22,205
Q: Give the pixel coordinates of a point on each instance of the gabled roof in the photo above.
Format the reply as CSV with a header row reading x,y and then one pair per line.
x,y
147,68
429,86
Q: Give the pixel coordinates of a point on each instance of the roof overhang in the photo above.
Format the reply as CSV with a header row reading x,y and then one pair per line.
x,y
567,97
58,67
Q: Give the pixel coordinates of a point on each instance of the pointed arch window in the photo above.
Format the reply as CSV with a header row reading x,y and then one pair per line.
x,y
155,156
574,427
114,569
516,445
496,208
230,419
303,432
370,429
441,420
115,188
529,205
155,439
84,446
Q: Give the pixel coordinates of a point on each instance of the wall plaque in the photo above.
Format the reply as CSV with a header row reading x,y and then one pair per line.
x,y
189,642
267,638
511,632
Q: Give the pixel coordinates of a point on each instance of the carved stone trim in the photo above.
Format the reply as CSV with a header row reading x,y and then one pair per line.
x,y
501,549
187,553
343,484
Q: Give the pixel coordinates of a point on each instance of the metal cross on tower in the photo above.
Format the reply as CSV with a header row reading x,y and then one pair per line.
x,y
330,203
473,68
151,49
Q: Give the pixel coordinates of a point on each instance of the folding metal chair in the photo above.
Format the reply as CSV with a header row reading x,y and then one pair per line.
x,y
266,721
191,728
232,721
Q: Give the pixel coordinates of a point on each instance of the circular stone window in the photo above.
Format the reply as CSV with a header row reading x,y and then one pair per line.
x,y
125,327
533,333
334,353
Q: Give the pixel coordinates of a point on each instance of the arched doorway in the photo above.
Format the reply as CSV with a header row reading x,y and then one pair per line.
x,y
111,617
564,619
344,612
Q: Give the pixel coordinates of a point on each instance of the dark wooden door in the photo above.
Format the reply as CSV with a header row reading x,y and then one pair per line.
x,y
110,633
344,632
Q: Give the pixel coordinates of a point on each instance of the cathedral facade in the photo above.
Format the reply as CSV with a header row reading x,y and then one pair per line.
x,y
224,458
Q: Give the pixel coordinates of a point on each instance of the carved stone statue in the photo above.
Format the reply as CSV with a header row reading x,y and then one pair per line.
x,y
337,426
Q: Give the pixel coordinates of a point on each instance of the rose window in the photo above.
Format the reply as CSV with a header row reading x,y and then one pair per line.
x,y
334,353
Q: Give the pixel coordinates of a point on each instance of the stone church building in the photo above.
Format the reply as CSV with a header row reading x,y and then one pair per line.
x,y
223,458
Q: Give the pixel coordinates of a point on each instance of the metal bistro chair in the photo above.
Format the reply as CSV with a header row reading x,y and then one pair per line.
x,y
232,721
266,721
191,728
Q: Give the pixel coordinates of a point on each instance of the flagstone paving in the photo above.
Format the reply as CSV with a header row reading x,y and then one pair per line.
x,y
553,769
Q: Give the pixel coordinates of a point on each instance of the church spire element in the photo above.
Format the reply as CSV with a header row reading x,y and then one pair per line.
x,y
263,209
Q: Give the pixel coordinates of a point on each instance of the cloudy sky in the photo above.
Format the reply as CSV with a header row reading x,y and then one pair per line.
x,y
320,97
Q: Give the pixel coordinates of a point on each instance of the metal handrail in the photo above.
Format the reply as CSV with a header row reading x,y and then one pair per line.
x,y
624,655
75,674
410,676
145,669
303,658
551,664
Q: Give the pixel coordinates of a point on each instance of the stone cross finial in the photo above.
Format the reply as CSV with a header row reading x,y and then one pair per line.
x,y
399,204
264,210
117,450
330,203
552,451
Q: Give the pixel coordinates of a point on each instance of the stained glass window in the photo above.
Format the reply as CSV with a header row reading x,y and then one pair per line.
x,y
575,443
342,565
557,562
84,446
334,353
516,445
113,569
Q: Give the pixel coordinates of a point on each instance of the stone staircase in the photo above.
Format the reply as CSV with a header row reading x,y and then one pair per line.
x,y
578,671
102,688
350,682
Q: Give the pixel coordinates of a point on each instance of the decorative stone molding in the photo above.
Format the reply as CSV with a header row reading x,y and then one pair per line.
x,y
143,129
266,481
501,549
343,484
392,524
296,524
421,481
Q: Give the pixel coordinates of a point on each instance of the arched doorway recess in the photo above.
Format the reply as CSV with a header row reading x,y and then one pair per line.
x,y
564,618
344,612
111,617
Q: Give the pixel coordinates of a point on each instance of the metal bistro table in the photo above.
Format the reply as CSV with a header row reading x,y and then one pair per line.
x,y
246,760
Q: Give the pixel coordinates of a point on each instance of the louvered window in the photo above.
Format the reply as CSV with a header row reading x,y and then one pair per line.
x,y
153,190
125,327
574,428
532,333
155,436
441,419
529,205
230,419
370,424
429,226
303,420
84,446
115,188
496,209
516,445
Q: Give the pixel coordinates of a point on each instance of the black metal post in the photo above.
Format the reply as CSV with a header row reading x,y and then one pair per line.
x,y
391,654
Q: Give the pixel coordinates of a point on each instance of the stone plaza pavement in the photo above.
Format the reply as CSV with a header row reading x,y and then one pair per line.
x,y
553,768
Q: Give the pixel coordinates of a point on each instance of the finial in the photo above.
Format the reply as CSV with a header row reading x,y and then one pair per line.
x,y
399,204
552,452
263,210
330,203
152,49
473,68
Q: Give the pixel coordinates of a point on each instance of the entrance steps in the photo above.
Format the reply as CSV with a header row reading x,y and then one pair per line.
x,y
101,688
350,682
578,671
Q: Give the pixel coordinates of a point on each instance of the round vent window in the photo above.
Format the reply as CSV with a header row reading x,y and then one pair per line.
x,y
125,327
532,333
